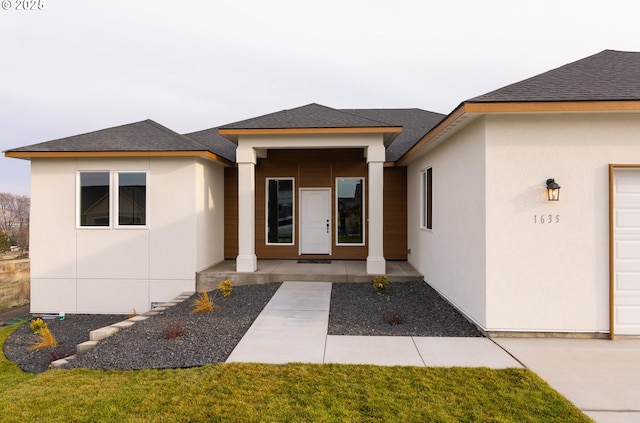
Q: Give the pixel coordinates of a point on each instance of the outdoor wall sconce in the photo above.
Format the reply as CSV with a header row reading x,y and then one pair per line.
x,y
553,190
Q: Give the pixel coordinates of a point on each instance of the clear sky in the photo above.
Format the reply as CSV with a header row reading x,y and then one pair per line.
x,y
78,66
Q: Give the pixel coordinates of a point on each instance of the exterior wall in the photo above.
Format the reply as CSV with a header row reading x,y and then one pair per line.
x,y
109,270
451,256
552,276
311,169
210,217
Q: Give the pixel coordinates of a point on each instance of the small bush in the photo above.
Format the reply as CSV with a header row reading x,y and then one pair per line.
x,y
203,304
380,283
47,340
173,330
225,287
395,318
37,325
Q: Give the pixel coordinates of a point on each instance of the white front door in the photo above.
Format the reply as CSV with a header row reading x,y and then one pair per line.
x,y
315,220
626,223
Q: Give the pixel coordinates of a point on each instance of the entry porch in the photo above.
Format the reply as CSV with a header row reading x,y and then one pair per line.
x,y
307,270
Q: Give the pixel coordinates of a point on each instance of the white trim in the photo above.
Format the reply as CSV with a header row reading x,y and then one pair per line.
x,y
293,211
363,217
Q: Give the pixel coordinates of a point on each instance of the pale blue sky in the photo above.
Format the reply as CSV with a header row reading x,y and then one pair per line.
x,y
78,66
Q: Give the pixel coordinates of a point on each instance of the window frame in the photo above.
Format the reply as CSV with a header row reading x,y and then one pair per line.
x,y
363,216
293,211
78,207
116,200
426,198
113,192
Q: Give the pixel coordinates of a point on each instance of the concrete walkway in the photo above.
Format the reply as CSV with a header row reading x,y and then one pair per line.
x,y
600,377
293,328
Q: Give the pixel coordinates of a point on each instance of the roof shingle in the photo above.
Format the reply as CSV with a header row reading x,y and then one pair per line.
x,y
309,116
607,76
145,135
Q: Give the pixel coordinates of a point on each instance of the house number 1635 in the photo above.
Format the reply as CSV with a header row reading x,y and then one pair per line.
x,y
546,218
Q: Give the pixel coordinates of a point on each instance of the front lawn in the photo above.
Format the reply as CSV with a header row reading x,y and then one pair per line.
x,y
280,393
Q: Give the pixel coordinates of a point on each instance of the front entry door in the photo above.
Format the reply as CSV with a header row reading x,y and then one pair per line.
x,y
315,220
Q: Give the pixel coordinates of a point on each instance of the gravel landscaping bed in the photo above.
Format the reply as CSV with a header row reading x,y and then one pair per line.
x,y
357,309
407,309
71,331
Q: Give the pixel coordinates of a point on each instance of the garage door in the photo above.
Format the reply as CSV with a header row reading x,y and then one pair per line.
x,y
626,252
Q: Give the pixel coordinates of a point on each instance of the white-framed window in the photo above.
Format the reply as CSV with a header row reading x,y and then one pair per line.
x,y
94,200
280,211
131,201
426,198
350,212
109,199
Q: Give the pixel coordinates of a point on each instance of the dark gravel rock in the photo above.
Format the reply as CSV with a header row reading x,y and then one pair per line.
x,y
357,309
209,337
69,332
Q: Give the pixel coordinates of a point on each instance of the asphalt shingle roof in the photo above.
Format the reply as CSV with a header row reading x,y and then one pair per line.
x,y
215,143
146,135
415,124
309,116
607,76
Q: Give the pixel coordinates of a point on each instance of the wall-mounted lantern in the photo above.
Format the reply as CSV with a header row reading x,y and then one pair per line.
x,y
553,190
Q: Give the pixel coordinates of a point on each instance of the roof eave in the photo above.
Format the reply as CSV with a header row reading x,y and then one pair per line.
x,y
467,109
28,155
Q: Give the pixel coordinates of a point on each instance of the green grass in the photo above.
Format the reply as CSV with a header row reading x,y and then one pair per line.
x,y
286,393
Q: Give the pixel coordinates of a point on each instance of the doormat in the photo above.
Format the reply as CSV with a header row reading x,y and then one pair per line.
x,y
314,261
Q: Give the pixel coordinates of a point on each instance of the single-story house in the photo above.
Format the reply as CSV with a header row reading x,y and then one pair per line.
x,y
521,206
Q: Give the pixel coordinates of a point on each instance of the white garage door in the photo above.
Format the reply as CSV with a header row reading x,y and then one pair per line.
x,y
626,221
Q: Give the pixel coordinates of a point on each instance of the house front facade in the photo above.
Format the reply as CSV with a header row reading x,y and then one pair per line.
x,y
124,217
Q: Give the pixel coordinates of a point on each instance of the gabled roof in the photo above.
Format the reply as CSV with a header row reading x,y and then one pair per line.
x,y
140,138
607,76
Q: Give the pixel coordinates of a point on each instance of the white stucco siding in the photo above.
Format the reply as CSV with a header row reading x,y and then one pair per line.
x,y
209,214
172,223
119,269
451,256
552,276
52,230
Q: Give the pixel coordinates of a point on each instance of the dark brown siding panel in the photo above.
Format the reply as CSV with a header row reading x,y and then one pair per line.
x,y
395,213
230,213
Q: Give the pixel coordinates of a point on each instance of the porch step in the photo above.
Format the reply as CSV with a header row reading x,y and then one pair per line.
x,y
338,271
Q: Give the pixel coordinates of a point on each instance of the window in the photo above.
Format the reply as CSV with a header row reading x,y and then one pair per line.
x,y
94,199
95,194
132,198
350,211
426,199
280,211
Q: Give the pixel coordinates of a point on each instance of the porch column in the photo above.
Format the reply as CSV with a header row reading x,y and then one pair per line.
x,y
246,260
376,264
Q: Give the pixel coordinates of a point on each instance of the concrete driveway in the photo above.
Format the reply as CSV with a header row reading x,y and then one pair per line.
x,y
600,377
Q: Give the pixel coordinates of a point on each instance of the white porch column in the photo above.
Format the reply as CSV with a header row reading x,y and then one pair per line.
x,y
246,260
376,264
